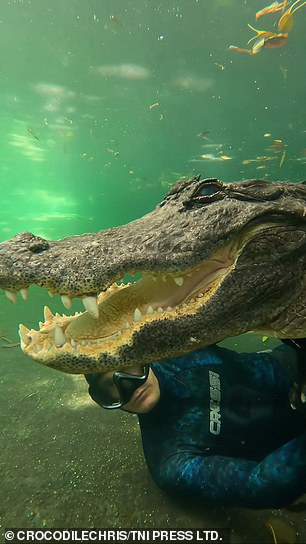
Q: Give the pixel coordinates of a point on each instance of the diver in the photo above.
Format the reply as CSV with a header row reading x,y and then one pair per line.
x,y
218,426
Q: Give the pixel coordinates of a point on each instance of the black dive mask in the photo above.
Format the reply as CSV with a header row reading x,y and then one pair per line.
x,y
126,385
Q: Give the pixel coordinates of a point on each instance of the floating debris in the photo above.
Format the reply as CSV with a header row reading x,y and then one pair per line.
x,y
282,532
31,131
220,66
9,342
115,19
272,8
267,39
299,159
30,395
215,146
286,21
204,134
260,158
283,157
277,146
211,157
284,72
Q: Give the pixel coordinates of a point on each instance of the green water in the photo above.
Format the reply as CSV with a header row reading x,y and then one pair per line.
x,y
104,104
81,149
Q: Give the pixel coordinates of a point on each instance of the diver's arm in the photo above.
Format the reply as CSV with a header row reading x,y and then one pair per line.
x,y
275,482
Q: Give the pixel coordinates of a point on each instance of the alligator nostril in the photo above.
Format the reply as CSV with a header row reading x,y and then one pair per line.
x,y
30,242
38,245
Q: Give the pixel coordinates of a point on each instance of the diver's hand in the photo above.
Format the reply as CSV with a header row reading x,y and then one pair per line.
x,y
297,397
297,394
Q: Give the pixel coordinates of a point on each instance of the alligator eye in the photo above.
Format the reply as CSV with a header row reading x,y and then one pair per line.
x,y
209,189
206,191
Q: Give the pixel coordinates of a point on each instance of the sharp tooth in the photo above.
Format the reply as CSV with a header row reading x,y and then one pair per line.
x,y
169,308
154,278
41,324
137,315
51,294
303,398
23,333
24,293
73,343
48,315
91,306
67,301
127,325
192,339
160,309
59,337
150,310
11,295
179,281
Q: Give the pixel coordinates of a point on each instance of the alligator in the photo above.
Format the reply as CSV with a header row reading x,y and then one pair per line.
x,y
212,260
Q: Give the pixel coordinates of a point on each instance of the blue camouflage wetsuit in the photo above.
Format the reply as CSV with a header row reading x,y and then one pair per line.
x,y
223,430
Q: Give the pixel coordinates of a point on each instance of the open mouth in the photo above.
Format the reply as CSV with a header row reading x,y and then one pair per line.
x,y
123,309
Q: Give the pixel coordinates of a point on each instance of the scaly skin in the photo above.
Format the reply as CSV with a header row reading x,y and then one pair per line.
x,y
217,260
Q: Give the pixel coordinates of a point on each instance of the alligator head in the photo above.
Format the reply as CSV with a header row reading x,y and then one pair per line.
x,y
212,260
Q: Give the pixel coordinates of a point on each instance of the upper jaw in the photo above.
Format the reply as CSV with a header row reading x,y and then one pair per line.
x,y
83,266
